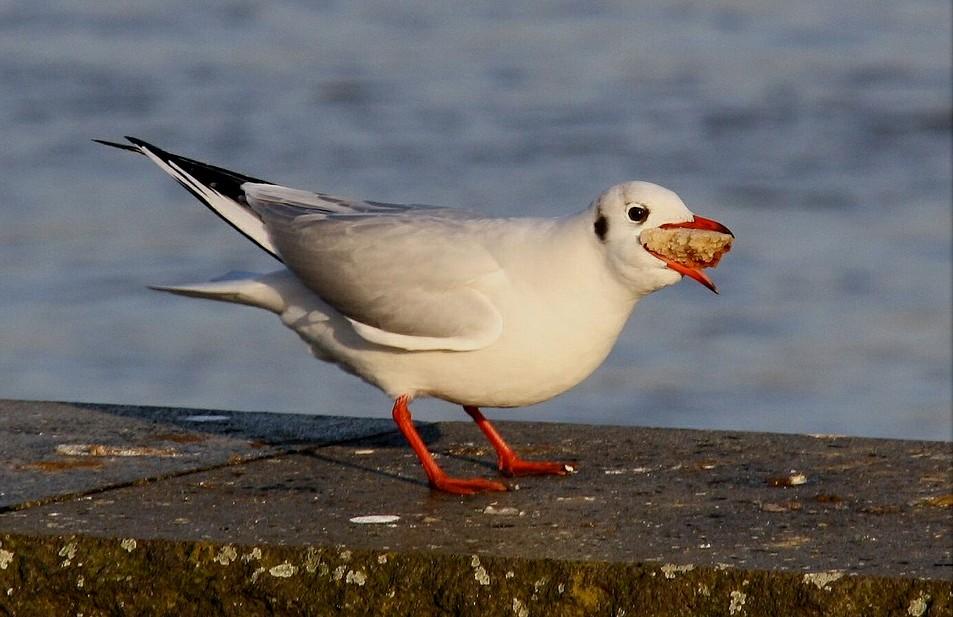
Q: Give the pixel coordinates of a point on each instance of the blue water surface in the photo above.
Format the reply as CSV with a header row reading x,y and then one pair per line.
x,y
820,132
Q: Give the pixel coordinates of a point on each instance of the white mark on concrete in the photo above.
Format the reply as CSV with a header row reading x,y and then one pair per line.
x,y
201,418
919,606
518,609
382,559
128,544
822,580
671,569
797,479
254,555
338,573
375,519
6,558
363,452
506,511
737,602
80,582
258,572
95,449
614,472
283,570
358,578
227,555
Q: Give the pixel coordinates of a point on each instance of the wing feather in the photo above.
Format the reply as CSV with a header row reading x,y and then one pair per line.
x,y
410,277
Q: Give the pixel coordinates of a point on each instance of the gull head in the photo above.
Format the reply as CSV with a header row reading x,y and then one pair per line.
x,y
651,239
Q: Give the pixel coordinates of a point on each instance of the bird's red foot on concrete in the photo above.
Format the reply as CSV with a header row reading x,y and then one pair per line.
x,y
515,466
465,486
508,462
436,476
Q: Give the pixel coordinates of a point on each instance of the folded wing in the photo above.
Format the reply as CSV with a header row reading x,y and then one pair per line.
x,y
410,277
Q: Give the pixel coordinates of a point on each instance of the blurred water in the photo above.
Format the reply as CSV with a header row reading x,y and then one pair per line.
x,y
820,132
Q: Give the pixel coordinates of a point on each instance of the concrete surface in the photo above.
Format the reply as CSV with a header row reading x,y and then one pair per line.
x,y
253,515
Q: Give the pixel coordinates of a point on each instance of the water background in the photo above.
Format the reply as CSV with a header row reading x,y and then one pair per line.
x,y
820,132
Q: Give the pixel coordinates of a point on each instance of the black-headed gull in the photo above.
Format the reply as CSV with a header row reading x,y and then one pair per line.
x,y
425,301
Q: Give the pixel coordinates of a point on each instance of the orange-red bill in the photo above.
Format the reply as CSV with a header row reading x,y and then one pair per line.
x,y
693,273
699,222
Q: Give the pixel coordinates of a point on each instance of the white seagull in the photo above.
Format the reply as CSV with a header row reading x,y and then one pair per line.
x,y
426,301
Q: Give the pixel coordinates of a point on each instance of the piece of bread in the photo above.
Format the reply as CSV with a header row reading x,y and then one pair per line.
x,y
694,248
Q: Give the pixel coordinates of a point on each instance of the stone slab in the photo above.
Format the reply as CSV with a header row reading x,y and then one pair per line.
x,y
655,521
53,449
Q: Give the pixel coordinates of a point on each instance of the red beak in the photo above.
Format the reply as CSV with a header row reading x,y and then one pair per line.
x,y
698,222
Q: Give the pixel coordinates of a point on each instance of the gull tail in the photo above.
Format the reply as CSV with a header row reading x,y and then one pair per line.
x,y
218,188
235,287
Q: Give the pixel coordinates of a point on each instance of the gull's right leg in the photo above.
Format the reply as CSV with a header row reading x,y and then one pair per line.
x,y
437,477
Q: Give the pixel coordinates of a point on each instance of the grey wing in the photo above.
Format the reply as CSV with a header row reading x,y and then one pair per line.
x,y
289,202
409,277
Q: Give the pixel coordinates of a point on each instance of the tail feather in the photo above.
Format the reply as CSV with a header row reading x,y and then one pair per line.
x,y
218,188
249,291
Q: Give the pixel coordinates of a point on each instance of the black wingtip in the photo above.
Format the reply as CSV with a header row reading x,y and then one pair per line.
x,y
113,144
138,142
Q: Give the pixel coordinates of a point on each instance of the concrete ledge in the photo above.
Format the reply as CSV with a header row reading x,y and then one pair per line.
x,y
152,511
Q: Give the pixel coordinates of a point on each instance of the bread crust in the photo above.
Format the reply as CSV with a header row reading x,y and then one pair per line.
x,y
693,248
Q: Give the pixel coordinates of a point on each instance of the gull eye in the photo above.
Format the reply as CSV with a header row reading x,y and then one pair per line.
x,y
637,214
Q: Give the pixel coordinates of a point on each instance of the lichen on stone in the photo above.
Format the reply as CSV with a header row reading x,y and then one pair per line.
x,y
6,558
822,580
227,555
283,570
737,602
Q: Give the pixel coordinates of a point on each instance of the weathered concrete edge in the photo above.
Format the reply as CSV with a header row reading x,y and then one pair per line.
x,y
46,575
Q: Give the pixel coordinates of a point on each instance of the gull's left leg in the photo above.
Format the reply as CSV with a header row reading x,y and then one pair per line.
x,y
507,460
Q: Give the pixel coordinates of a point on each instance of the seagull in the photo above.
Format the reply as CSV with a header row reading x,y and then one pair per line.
x,y
425,301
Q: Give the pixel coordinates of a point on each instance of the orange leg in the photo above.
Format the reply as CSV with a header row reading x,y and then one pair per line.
x,y
507,460
437,477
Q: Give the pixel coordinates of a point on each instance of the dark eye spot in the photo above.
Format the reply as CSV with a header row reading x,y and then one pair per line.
x,y
637,214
